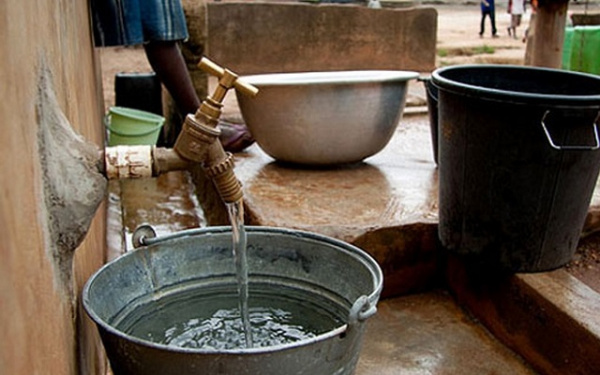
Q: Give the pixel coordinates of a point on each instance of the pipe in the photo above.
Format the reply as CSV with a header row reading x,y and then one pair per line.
x,y
197,143
121,162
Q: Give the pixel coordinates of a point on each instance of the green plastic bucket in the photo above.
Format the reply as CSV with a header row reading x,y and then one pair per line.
x,y
128,126
581,49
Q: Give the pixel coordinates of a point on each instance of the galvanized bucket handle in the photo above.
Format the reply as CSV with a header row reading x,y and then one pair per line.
x,y
571,147
362,309
143,235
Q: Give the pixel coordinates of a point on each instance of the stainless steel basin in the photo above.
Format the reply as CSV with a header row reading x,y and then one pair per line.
x,y
325,118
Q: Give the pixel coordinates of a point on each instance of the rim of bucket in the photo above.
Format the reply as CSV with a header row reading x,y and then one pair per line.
x,y
133,134
378,286
333,77
136,114
507,95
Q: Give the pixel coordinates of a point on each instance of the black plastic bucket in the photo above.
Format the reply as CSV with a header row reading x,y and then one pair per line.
x,y
518,162
139,91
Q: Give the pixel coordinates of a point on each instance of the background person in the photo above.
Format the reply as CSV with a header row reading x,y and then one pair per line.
x,y
516,9
488,10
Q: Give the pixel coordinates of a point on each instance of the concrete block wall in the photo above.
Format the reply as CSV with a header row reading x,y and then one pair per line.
x,y
49,75
261,37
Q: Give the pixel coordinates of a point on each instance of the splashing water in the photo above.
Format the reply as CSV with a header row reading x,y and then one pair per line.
x,y
222,331
208,317
236,217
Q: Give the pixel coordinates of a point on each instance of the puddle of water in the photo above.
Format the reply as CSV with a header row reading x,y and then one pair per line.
x,y
168,203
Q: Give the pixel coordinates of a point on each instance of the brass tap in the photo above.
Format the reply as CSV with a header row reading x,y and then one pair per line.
x,y
198,141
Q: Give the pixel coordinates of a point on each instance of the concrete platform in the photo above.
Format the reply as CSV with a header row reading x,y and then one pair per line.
x,y
429,333
434,307
274,36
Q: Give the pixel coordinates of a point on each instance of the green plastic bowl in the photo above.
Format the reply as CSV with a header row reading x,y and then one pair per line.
x,y
128,126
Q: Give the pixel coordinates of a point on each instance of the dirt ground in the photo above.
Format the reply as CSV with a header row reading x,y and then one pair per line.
x,y
458,43
586,262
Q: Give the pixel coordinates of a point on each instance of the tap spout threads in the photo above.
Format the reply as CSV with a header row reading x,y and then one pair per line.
x,y
228,186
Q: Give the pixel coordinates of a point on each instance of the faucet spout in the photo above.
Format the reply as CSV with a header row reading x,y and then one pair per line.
x,y
198,141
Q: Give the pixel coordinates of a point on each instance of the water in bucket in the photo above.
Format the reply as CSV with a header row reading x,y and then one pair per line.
x,y
209,318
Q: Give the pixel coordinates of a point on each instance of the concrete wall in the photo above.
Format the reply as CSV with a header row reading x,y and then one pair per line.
x,y
255,37
48,75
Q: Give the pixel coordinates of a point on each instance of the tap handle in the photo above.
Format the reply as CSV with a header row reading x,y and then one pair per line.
x,y
231,78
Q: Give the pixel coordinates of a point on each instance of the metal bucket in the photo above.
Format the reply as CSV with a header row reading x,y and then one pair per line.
x,y
342,275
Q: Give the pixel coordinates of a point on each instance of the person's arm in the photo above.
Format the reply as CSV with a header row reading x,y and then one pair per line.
x,y
170,67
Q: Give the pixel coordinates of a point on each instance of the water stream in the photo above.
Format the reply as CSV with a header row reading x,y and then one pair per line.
x,y
236,218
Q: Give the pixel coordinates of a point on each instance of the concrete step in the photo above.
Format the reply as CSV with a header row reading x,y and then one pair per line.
x,y
429,333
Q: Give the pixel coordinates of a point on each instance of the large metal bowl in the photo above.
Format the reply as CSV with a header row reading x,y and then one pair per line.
x,y
325,118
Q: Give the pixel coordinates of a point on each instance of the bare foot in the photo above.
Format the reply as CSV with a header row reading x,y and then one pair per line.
x,y
235,137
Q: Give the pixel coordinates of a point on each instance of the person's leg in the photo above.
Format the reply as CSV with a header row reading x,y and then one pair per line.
x,y
493,21
516,24
168,63
482,25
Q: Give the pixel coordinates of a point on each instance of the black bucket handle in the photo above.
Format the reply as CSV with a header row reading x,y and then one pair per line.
x,y
596,146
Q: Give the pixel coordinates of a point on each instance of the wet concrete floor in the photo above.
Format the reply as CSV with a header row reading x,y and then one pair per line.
x,y
426,332
167,203
429,333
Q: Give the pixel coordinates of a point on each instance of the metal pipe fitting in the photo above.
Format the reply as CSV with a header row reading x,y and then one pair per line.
x,y
198,140
121,162
198,143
